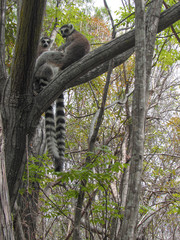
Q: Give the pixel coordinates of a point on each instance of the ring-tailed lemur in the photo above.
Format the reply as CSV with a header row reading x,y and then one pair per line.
x,y
75,47
42,78
45,72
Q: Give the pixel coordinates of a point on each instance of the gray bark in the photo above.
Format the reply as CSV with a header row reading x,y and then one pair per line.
x,y
138,120
26,210
152,21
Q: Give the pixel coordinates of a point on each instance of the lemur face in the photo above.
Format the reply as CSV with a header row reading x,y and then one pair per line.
x,y
66,30
45,42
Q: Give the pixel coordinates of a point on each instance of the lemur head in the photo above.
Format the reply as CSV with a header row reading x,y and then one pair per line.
x,y
45,42
44,45
67,30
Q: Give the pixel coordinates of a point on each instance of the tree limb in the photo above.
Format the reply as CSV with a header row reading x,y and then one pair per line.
x,y
73,75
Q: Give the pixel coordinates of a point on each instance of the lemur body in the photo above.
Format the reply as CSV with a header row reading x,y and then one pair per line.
x,y
46,71
75,47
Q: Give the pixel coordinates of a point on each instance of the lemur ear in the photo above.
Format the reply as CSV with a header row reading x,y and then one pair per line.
x,y
70,26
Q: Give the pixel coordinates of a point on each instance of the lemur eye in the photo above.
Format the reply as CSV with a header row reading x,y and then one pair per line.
x,y
48,41
43,41
66,30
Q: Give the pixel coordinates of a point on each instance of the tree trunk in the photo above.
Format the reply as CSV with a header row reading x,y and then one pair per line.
x,y
26,213
144,53
17,99
138,120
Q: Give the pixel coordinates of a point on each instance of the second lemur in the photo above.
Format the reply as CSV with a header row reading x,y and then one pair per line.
x,y
75,47
42,78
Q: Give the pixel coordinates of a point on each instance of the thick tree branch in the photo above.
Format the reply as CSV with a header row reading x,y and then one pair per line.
x,y
73,75
172,28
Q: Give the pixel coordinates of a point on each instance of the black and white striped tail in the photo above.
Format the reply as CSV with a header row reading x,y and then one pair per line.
x,y
60,126
52,133
51,139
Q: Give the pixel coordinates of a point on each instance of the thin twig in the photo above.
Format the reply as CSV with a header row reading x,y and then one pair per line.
x,y
56,205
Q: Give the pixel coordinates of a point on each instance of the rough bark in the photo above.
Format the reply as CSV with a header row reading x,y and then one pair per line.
x,y
138,120
26,207
152,20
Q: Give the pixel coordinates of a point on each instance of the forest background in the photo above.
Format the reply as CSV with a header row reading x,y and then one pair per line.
x,y
121,175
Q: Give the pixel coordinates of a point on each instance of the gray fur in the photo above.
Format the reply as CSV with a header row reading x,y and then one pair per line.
x,y
75,47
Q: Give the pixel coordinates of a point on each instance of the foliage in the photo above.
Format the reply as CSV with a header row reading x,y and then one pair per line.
x,y
100,174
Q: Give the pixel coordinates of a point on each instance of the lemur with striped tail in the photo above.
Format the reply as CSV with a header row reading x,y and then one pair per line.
x,y
75,47
42,78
